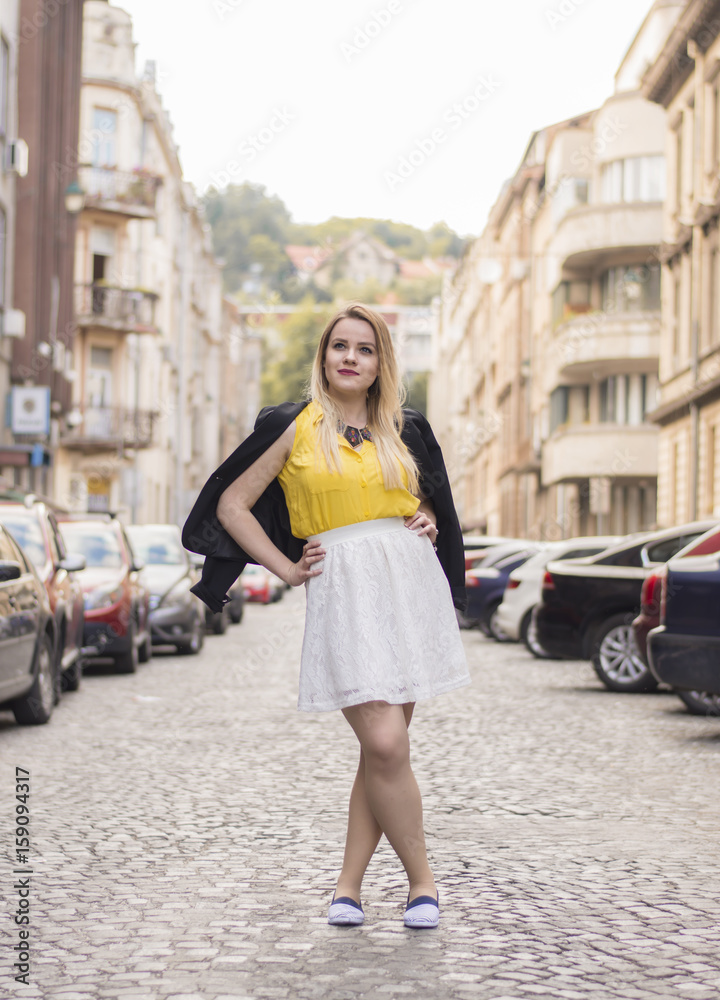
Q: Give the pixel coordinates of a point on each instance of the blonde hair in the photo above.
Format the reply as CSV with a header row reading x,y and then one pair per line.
x,y
384,403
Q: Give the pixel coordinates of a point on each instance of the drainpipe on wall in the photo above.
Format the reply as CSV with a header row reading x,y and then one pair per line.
x,y
694,53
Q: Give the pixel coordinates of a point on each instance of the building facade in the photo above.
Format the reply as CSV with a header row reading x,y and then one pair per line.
x,y
145,427
40,83
685,82
546,367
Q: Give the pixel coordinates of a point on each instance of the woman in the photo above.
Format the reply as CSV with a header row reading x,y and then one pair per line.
x,y
380,628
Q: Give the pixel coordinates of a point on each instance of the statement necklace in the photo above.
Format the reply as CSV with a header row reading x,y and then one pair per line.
x,y
354,435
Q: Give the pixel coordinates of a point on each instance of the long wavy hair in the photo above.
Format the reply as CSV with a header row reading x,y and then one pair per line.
x,y
384,403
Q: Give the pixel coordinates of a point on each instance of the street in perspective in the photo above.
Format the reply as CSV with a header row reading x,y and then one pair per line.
x,y
187,822
468,257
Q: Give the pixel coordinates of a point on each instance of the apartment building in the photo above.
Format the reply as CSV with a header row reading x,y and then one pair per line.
x,y
39,100
685,82
144,430
549,338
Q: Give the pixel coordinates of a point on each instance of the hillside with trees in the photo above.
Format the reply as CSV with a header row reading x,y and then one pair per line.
x,y
251,230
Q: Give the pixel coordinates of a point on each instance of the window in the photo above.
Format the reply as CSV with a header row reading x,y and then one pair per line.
x,y
631,289
715,152
559,405
677,316
711,466
3,247
104,127
570,298
637,178
4,85
679,166
710,333
570,193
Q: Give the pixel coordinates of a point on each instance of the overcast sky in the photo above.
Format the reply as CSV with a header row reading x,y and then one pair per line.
x,y
413,110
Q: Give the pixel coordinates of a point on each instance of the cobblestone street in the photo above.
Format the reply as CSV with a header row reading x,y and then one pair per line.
x,y
188,824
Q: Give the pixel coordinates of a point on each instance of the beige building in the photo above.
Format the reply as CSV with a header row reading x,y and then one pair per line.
x,y
146,425
685,81
12,323
547,358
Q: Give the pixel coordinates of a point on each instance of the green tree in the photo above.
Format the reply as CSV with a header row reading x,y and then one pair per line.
x,y
287,367
417,389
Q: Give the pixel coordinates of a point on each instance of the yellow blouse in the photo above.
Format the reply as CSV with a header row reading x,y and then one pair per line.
x,y
319,500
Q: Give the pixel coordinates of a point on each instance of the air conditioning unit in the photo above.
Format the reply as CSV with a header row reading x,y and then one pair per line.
x,y
17,156
14,323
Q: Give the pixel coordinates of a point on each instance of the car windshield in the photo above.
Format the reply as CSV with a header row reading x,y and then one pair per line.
x,y
157,548
99,546
26,532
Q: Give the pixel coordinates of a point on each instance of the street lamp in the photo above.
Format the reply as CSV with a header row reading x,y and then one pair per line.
x,y
74,198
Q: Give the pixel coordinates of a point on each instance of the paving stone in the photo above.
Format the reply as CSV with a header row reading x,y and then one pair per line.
x,y
190,850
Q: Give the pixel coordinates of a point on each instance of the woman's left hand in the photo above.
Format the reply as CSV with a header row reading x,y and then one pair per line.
x,y
421,524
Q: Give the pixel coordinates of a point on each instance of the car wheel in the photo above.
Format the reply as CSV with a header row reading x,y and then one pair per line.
x,y
35,708
145,650
127,663
617,659
236,614
490,611
220,622
196,642
495,628
529,635
701,702
73,675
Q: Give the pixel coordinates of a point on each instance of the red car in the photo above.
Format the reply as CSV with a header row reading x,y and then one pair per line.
x,y
34,526
260,585
650,598
117,603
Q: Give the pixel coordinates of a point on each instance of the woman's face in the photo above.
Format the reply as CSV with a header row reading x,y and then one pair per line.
x,y
351,358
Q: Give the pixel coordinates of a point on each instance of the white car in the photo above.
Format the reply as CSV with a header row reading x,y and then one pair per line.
x,y
523,591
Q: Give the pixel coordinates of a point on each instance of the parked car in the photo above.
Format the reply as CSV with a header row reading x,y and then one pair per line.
x,y
588,605
28,680
485,587
236,604
649,616
34,527
684,650
177,617
524,586
117,602
260,585
477,546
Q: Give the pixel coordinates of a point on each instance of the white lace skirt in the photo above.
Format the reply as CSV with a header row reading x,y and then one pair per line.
x,y
380,623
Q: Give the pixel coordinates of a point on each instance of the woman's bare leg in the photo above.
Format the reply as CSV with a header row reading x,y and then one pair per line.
x,y
363,830
385,798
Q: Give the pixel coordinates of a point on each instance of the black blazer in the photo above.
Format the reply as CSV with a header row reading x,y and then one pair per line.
x,y
225,560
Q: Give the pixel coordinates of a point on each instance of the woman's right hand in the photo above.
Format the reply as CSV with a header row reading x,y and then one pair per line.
x,y
308,565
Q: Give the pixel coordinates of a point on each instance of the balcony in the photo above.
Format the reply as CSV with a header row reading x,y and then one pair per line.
x,y
598,344
104,428
591,235
621,452
129,310
122,192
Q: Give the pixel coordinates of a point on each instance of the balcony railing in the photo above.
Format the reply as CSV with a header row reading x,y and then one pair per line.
x,y
130,309
103,427
131,193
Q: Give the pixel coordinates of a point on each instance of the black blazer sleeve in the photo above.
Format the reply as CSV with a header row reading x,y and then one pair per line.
x,y
203,533
435,485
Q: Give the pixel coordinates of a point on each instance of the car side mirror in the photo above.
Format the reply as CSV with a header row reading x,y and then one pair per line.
x,y
72,563
10,571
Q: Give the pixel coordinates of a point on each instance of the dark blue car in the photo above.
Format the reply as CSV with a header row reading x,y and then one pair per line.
x,y
485,588
684,650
